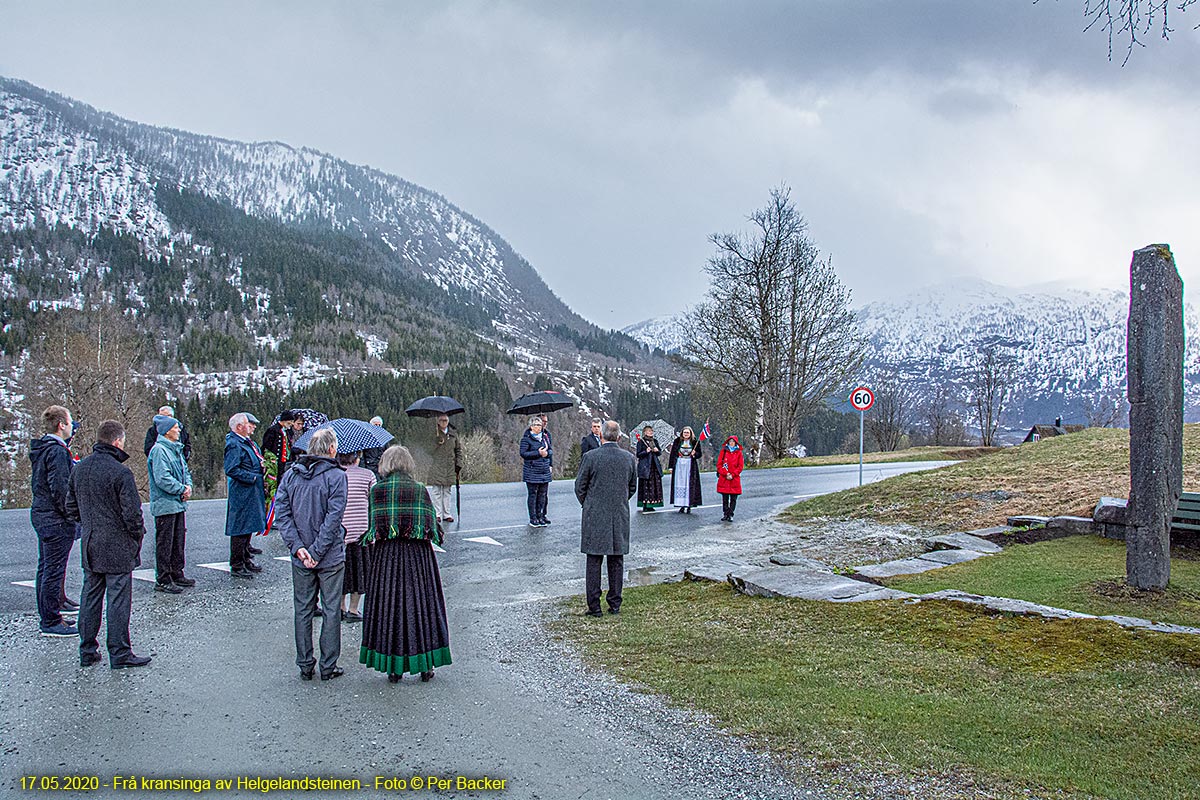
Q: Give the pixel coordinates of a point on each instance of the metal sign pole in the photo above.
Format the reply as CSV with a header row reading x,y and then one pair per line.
x,y
860,446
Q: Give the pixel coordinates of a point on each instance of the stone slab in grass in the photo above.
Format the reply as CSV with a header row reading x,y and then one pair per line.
x,y
795,559
1073,525
1006,604
965,541
799,582
1145,624
1027,520
878,594
943,557
995,530
716,571
904,566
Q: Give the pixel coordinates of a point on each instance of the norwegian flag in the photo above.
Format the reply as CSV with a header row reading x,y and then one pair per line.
x,y
705,432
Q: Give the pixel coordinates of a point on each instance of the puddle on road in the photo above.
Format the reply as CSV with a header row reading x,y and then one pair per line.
x,y
645,576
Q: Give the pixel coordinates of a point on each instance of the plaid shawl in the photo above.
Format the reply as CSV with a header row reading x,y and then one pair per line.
x,y
400,507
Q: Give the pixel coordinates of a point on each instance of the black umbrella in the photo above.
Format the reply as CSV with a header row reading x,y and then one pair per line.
x,y
434,406
541,403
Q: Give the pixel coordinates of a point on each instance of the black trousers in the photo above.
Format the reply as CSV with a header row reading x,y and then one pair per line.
x,y
170,532
54,549
539,494
239,551
728,503
310,586
616,579
118,589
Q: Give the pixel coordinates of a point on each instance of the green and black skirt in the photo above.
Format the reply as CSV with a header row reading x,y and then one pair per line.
x,y
650,493
404,613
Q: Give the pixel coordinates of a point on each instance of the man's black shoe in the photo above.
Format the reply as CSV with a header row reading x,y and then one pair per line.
x,y
67,604
336,672
595,614
131,661
306,674
90,660
183,580
250,565
168,587
241,572
546,521
614,611
252,550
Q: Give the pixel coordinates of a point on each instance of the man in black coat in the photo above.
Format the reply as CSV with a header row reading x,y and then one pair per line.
x,y
607,479
591,441
104,496
184,436
51,463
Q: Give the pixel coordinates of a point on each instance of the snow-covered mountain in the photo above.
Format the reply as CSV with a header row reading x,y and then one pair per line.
x,y
1068,345
262,255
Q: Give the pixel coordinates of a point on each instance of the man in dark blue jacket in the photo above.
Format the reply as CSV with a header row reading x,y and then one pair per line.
x,y
103,496
52,464
309,505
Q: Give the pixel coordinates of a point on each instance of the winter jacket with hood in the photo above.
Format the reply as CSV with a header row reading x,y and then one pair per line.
x,y
169,476
52,465
730,463
104,497
309,505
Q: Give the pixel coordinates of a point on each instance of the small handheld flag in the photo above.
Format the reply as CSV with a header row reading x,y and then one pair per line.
x,y
705,432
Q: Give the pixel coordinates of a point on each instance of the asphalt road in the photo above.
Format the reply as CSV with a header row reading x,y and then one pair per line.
x,y
222,697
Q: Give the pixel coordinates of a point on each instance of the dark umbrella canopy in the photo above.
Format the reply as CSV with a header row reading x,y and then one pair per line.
x,y
434,406
541,403
353,435
310,417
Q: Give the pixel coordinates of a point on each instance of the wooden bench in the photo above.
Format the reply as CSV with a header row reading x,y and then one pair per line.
x,y
1187,518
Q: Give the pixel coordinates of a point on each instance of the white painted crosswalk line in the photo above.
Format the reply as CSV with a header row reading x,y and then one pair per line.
x,y
30,584
144,575
484,540
223,566
438,549
283,558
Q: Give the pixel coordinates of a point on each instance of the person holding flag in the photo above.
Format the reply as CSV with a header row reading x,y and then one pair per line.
x,y
685,471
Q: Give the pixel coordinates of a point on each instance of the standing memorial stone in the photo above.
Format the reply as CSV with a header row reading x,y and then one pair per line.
x,y
1155,380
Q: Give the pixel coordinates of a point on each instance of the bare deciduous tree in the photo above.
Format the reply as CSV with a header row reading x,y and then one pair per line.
x,y
938,413
1132,20
989,380
889,419
1104,411
776,323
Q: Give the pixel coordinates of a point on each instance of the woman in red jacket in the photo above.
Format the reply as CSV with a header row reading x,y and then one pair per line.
x,y
729,476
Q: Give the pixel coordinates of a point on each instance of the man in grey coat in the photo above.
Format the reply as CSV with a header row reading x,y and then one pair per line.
x,y
309,505
607,479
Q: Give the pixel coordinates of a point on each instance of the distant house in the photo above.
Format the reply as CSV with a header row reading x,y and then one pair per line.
x,y
1039,432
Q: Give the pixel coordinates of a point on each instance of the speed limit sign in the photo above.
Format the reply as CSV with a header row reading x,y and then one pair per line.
x,y
862,398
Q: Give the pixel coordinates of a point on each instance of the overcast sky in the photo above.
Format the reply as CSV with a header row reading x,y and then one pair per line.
x,y
922,140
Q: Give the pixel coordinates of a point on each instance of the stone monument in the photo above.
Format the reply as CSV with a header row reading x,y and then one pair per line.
x,y
1155,384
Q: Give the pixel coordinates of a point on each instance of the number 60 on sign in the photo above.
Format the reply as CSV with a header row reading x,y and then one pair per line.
x,y
862,398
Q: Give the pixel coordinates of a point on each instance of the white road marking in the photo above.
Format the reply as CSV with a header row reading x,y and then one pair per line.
x,y
484,540
804,496
283,558
438,549
223,566
30,584
144,575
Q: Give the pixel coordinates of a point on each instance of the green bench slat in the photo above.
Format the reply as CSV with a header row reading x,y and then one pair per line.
x,y
1188,515
1183,526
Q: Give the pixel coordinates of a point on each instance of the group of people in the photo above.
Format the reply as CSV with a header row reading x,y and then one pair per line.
x,y
355,535
359,526
683,462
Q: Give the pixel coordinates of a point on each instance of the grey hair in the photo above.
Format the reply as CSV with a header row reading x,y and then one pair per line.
x,y
167,410
377,420
536,419
611,432
323,442
237,419
397,459
597,421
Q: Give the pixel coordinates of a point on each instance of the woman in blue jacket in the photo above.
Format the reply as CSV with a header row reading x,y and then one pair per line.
x,y
538,457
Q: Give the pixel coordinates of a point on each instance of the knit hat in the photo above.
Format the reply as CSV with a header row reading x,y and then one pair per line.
x,y
163,423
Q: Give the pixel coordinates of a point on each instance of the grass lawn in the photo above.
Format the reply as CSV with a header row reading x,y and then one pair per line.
x,y
1082,573
911,454
1062,475
1084,707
